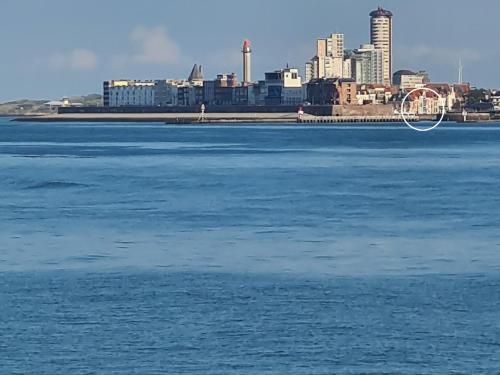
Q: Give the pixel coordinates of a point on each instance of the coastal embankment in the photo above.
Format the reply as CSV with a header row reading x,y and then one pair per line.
x,y
210,118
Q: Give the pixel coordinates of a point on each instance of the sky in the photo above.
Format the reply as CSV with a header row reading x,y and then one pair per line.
x,y
55,48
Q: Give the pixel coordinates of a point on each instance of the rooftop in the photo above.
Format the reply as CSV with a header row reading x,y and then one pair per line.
x,y
405,72
381,12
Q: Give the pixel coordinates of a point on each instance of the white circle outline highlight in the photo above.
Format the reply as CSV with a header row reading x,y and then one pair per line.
x,y
414,127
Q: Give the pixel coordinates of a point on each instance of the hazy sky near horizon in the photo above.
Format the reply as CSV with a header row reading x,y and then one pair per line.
x,y
56,48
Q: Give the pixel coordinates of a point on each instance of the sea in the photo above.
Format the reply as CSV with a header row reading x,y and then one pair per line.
x,y
136,248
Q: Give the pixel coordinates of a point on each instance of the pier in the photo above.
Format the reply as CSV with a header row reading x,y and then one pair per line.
x,y
308,119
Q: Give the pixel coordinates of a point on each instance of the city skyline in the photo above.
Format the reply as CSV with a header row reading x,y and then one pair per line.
x,y
66,58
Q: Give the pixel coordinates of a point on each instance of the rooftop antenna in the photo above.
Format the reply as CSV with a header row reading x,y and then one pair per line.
x,y
460,71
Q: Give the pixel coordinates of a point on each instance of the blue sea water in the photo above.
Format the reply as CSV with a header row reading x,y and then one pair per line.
x,y
154,249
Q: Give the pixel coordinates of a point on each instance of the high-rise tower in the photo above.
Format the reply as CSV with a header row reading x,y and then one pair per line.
x,y
381,38
247,62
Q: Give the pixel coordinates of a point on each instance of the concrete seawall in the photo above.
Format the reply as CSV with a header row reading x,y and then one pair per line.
x,y
172,118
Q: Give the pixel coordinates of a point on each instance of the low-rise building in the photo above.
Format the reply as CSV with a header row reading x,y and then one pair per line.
x,y
321,91
167,92
347,89
122,93
283,87
374,94
220,91
331,91
424,102
119,93
495,100
190,95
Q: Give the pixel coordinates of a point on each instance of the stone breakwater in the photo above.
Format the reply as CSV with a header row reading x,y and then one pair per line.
x,y
235,118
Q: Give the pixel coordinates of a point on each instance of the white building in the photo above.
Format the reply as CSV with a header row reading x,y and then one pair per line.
x,y
291,78
411,81
119,93
495,100
334,67
148,93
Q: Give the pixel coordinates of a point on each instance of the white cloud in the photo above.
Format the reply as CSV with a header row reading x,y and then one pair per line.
x,y
77,59
155,46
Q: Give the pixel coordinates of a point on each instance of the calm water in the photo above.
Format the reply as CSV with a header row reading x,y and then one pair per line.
x,y
151,249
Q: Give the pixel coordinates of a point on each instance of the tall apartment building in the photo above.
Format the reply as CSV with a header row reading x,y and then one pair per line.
x,y
347,68
381,38
309,71
368,65
329,58
335,45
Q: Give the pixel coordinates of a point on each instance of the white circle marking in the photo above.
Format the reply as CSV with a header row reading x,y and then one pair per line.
x,y
403,112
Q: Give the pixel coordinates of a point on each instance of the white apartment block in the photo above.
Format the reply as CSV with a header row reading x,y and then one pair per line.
x,y
334,67
411,81
347,68
329,59
130,93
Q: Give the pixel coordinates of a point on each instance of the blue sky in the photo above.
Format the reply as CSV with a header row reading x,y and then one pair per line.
x,y
54,48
